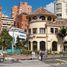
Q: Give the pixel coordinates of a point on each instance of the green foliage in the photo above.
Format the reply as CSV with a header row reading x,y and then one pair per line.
x,y
5,38
62,33
26,52
18,45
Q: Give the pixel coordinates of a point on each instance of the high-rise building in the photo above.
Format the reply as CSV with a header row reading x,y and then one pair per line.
x,y
25,8
22,21
61,9
20,15
22,8
14,11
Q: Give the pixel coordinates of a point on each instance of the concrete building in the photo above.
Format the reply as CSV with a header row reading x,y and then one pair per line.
x,y
15,10
61,9
25,8
22,8
16,32
7,22
43,31
22,21
20,15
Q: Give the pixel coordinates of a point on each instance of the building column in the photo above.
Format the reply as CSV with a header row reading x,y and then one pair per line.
x,y
38,46
31,46
51,19
46,18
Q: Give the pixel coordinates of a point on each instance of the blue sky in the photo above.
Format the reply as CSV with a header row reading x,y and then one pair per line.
x,y
7,4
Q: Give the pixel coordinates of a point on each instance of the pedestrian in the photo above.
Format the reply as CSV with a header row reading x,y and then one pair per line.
x,y
41,55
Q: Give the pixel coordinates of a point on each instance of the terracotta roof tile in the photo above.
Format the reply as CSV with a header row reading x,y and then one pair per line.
x,y
42,11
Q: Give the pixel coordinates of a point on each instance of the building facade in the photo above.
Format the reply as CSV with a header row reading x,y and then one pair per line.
x,y
22,8
61,8
22,21
42,31
20,14
7,22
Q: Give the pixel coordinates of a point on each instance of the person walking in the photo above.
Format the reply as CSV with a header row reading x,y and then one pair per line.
x,y
41,55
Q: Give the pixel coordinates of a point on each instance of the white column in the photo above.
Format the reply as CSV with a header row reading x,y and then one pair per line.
x,y
38,46
31,46
46,18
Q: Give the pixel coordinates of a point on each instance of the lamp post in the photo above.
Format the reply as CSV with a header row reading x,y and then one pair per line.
x,y
13,42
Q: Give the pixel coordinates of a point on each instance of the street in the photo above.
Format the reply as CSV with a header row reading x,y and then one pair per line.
x,y
34,63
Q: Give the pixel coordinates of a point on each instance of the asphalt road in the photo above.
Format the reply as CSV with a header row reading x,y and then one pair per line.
x,y
36,63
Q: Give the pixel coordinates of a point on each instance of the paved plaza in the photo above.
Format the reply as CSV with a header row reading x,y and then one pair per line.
x,y
25,63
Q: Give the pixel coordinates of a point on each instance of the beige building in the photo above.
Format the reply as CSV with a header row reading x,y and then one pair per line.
x,y
7,22
43,31
61,8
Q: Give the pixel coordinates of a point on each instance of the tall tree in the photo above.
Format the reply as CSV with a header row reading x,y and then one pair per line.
x,y
5,39
62,33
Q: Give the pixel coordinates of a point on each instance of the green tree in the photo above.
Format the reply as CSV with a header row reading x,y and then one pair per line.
x,y
5,39
20,44
62,33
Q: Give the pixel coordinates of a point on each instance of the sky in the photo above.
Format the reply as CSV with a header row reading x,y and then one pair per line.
x,y
7,4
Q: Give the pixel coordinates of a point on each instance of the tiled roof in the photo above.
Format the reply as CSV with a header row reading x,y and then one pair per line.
x,y
42,11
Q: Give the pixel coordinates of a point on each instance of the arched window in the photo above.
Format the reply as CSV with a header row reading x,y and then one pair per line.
x,y
42,17
34,45
54,46
29,45
34,17
42,45
49,18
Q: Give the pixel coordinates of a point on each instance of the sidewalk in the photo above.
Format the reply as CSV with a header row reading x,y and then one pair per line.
x,y
56,56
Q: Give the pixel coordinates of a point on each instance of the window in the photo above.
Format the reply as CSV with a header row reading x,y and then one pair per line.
x,y
34,45
25,30
49,18
29,31
42,30
56,30
42,17
59,5
52,30
66,10
34,18
34,30
66,5
59,14
58,9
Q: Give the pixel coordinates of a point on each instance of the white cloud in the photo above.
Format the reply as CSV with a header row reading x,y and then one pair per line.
x,y
50,7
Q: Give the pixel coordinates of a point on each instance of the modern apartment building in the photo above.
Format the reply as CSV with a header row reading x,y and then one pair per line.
x,y
14,12
7,22
20,14
61,8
